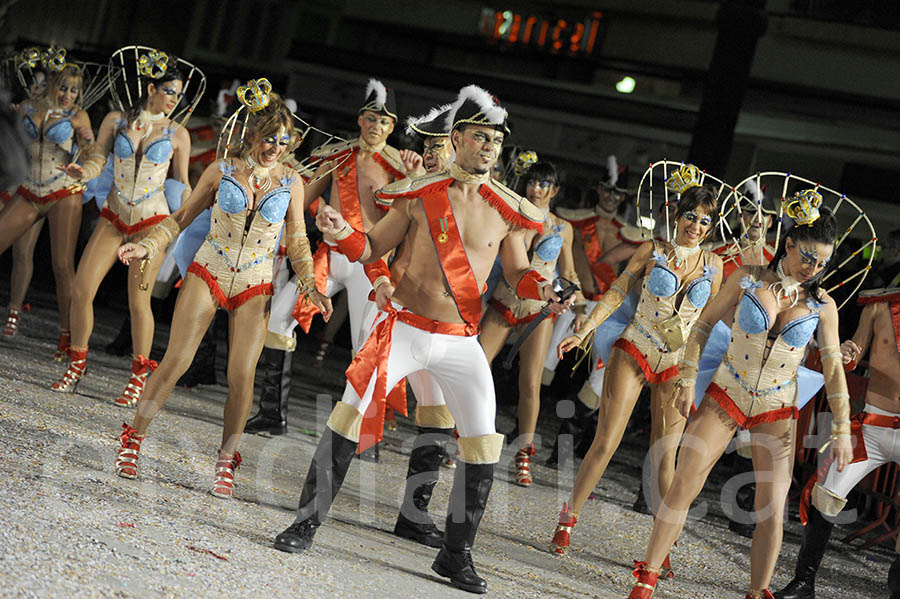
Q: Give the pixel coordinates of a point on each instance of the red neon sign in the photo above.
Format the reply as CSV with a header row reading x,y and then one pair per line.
x,y
550,34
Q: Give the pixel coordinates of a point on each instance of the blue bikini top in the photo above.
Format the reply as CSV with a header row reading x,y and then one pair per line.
x,y
549,247
59,132
157,151
232,197
663,282
754,319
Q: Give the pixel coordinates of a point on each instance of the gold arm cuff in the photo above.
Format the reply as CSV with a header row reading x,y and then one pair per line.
x,y
382,280
160,236
344,233
346,421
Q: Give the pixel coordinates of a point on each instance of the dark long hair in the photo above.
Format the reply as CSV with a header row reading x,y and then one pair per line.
x,y
173,73
822,230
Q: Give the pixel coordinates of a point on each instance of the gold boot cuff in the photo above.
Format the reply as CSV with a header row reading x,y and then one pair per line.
x,y
827,502
588,397
346,421
434,417
481,450
547,377
281,342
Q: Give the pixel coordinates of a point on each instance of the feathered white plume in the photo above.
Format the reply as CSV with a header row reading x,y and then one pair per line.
x,y
612,166
751,191
430,116
492,112
380,92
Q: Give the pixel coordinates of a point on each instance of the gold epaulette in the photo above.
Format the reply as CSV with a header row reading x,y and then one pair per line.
x,y
332,150
391,155
512,206
409,187
575,214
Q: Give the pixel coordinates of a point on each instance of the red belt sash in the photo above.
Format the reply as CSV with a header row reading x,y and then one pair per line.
x,y
348,191
49,198
305,310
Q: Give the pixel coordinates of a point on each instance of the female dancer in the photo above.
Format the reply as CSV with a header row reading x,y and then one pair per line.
x,y
252,195
145,140
54,122
23,247
774,311
510,311
676,281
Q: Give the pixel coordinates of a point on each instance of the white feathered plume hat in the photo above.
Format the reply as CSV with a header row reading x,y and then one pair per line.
x,y
380,99
476,106
431,124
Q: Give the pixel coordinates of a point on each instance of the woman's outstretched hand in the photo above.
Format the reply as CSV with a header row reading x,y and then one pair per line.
x,y
131,251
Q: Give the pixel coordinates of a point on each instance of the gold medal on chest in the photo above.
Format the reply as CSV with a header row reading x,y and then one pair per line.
x,y
442,238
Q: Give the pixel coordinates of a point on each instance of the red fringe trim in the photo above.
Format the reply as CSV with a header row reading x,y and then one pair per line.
x,y
49,198
388,167
735,413
4,195
506,210
205,158
129,230
877,299
507,314
654,378
227,303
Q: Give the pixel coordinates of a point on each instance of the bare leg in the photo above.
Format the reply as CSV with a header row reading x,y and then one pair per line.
x,y
18,216
98,257
23,264
773,457
621,388
705,440
666,427
194,310
65,222
531,368
247,331
142,324
494,331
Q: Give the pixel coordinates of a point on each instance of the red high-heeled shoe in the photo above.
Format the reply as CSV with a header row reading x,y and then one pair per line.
x,y
646,581
63,344
763,594
140,368
223,485
561,538
74,373
12,323
523,466
126,458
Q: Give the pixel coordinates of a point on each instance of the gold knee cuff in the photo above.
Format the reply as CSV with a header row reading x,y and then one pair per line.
x,y
282,342
434,417
588,397
547,376
481,450
827,502
345,420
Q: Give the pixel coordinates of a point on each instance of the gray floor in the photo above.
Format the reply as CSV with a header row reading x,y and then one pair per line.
x,y
70,527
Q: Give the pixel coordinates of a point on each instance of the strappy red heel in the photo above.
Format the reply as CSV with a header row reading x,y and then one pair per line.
x,y
126,459
223,485
523,466
140,368
74,373
561,538
646,581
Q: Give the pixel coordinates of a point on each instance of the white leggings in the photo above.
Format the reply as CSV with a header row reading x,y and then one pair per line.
x,y
425,388
882,446
456,365
342,274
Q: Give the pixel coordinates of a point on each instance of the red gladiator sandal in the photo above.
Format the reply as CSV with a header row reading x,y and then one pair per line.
x,y
666,569
126,460
646,581
763,594
12,323
140,368
63,345
223,485
560,543
523,466
74,373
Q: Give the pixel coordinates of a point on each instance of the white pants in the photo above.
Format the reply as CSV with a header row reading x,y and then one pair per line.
x,y
342,274
424,387
455,365
882,446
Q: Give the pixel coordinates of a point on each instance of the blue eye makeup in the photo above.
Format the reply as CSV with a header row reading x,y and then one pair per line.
x,y
692,216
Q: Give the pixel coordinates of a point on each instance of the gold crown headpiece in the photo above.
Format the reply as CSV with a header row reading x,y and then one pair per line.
x,y
255,95
53,58
31,57
803,208
524,161
153,64
684,178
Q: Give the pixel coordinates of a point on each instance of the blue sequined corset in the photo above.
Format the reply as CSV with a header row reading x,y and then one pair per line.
x,y
158,151
232,199
59,132
549,247
754,319
663,282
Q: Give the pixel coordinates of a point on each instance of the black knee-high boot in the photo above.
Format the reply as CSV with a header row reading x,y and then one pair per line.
x,y
273,398
468,498
413,521
570,432
325,477
812,548
894,578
